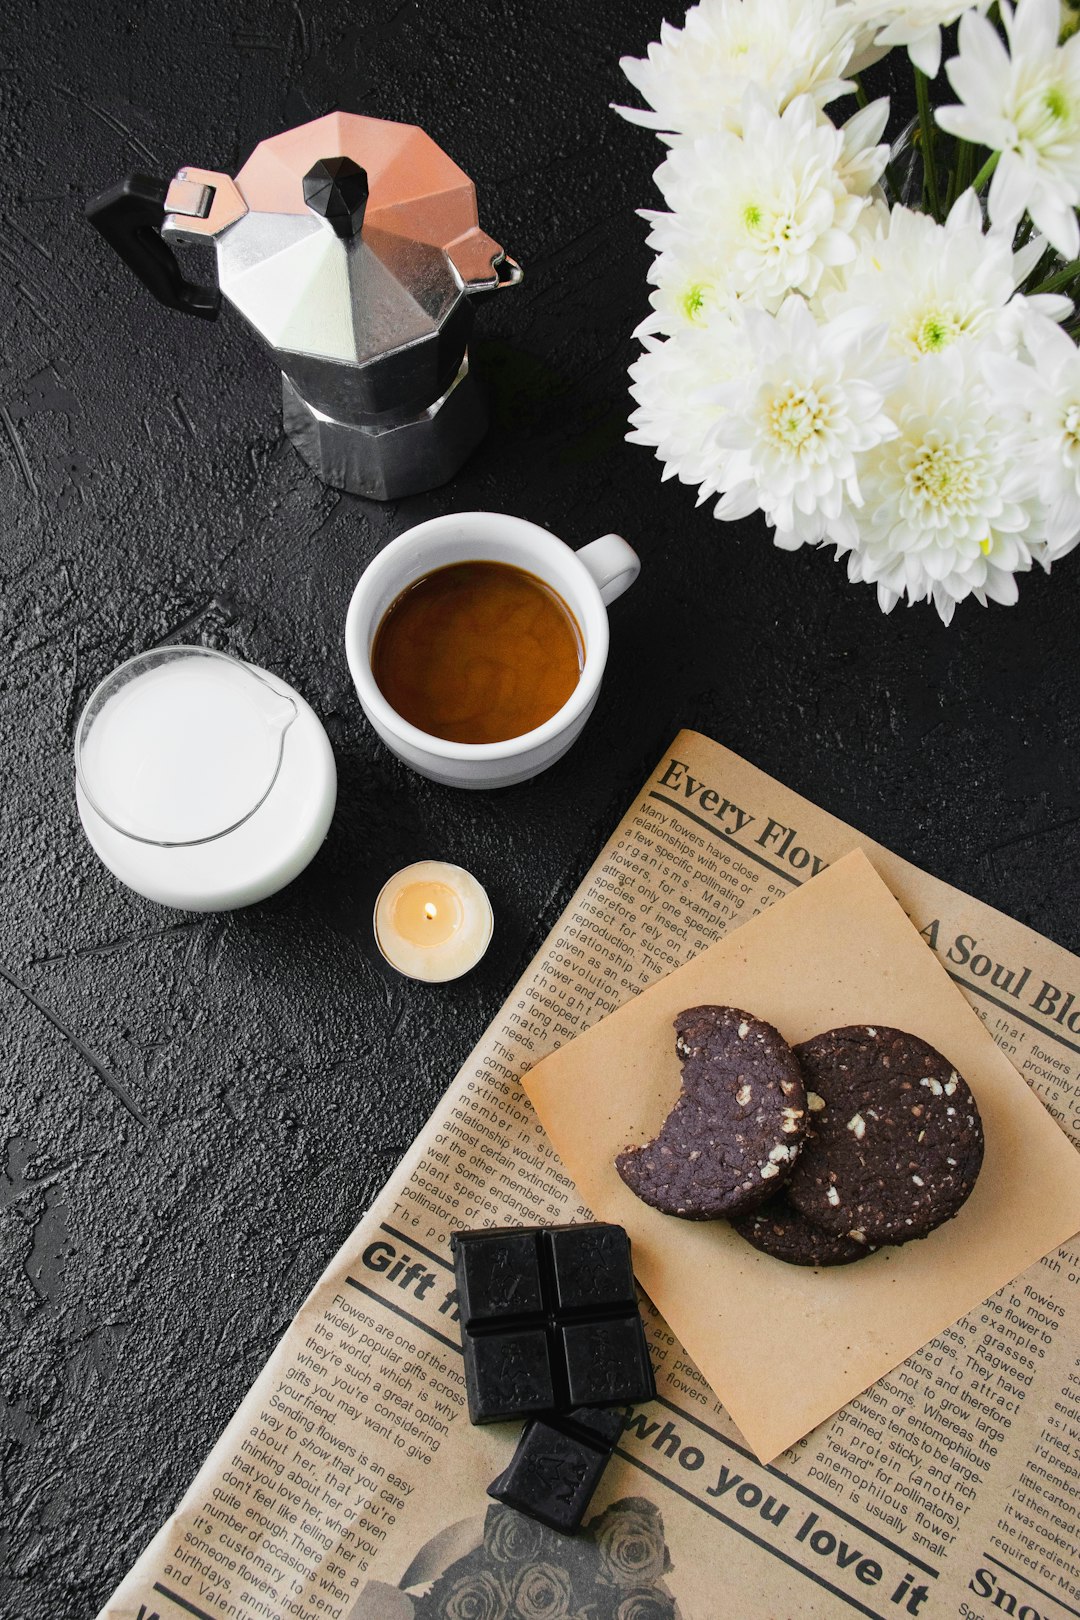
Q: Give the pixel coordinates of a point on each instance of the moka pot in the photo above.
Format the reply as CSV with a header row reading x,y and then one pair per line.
x,y
352,246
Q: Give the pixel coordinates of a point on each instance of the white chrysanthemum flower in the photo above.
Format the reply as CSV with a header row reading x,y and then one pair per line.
x,y
794,427
1025,104
694,77
933,285
771,201
1046,443
673,383
689,279
943,515
914,23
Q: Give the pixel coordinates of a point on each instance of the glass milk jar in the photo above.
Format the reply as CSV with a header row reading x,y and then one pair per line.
x,y
202,782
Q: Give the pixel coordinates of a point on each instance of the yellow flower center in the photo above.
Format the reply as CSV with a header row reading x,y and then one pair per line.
x,y
793,418
938,475
1056,103
934,329
692,301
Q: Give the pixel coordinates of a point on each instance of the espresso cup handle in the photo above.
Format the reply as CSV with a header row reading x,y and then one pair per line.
x,y
613,565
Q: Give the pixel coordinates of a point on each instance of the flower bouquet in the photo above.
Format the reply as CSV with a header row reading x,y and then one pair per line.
x,y
516,1569
872,345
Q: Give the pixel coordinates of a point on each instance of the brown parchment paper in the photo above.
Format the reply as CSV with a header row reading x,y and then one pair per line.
x,y
785,1346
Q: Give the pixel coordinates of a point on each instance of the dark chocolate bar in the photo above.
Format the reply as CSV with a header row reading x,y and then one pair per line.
x,y
557,1466
549,1321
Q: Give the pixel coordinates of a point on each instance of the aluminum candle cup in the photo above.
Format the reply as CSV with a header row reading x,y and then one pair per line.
x,y
433,921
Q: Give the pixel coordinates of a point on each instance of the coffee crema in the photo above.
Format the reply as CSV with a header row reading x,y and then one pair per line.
x,y
477,652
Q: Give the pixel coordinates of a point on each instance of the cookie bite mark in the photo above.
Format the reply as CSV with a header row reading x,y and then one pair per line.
x,y
733,1135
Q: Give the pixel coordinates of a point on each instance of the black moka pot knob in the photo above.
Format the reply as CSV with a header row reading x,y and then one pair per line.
x,y
337,188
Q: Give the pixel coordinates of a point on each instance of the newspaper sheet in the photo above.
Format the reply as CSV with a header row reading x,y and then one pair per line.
x,y
350,1484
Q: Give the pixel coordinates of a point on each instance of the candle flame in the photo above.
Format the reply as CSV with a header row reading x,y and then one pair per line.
x,y
431,911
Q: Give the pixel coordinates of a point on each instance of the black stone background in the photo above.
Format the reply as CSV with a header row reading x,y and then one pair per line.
x,y
154,1249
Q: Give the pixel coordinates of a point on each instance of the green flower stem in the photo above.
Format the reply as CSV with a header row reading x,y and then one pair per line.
x,y
965,165
960,171
860,93
926,126
1060,279
1039,271
986,171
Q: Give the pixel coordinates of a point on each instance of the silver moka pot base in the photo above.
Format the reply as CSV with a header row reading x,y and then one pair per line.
x,y
388,460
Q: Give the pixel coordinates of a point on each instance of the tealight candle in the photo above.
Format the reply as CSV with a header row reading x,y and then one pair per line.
x,y
432,921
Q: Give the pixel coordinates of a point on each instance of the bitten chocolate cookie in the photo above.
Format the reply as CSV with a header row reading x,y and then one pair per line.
x,y
731,1139
894,1140
780,1231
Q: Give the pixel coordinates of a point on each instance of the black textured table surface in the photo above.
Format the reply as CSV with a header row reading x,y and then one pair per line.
x,y
197,1109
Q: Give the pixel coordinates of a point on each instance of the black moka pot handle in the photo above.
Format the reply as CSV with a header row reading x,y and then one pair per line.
x,y
130,216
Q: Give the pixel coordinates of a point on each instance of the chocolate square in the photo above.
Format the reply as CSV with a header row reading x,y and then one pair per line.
x,y
498,1275
508,1374
553,1473
604,1359
592,1264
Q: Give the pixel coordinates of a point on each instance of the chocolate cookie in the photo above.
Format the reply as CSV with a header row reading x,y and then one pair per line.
x,y
780,1231
894,1140
731,1139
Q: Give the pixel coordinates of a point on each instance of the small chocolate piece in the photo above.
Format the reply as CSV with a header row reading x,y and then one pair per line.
x,y
605,1359
780,1231
499,1277
557,1466
731,1140
895,1141
549,1320
508,1374
591,1263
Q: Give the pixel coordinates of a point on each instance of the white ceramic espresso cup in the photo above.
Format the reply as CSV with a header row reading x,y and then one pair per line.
x,y
586,580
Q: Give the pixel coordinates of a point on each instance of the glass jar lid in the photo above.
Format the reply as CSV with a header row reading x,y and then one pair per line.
x,y
181,745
